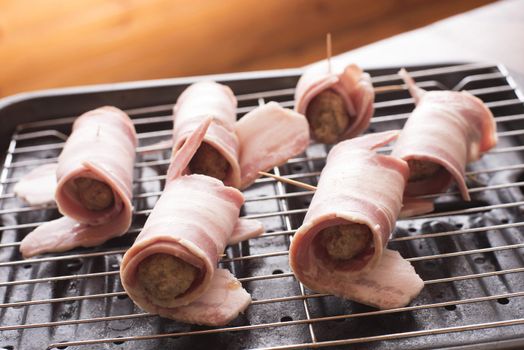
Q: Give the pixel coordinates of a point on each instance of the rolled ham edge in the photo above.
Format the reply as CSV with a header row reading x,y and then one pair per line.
x,y
354,79
246,229
222,302
301,249
217,298
184,250
489,137
38,186
351,79
72,207
199,304
164,244
67,233
370,141
269,136
393,283
441,182
330,81
412,206
375,284
182,154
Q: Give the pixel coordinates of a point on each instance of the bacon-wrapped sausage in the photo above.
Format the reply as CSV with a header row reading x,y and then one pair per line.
x,y
338,105
447,130
218,154
340,247
171,268
234,151
95,181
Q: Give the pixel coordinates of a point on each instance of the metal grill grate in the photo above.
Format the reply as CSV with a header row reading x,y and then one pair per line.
x,y
470,255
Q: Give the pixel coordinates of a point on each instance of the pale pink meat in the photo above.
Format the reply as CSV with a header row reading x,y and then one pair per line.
x,y
181,157
246,229
351,83
38,186
265,137
196,214
101,147
194,219
156,147
220,304
209,99
448,128
392,283
357,186
269,135
65,234
415,206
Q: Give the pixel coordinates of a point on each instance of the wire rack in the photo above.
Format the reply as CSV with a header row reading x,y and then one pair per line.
x,y
470,255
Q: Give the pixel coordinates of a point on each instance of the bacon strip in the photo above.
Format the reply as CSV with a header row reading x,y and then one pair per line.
x,y
392,283
246,229
448,128
415,206
352,84
358,186
65,234
269,136
194,219
38,186
101,147
265,137
210,99
180,158
220,304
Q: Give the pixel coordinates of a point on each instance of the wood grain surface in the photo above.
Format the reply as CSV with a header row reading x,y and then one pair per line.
x,y
54,43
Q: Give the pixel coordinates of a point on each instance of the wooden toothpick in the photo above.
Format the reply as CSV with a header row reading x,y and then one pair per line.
x,y
388,88
328,51
289,181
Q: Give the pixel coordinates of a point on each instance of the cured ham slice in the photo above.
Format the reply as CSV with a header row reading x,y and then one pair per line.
x,y
269,136
65,233
392,283
192,221
415,206
210,99
171,269
220,304
246,229
94,189
447,130
340,247
234,151
181,157
38,186
338,104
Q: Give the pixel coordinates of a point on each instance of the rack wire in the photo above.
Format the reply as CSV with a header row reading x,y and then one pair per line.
x,y
470,255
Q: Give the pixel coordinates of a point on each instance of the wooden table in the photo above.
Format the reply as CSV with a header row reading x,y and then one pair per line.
x,y
56,43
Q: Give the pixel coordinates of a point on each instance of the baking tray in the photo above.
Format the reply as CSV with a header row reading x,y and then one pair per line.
x,y
470,255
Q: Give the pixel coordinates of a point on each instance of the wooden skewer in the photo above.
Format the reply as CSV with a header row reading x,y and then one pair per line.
x,y
289,181
379,89
328,51
389,88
